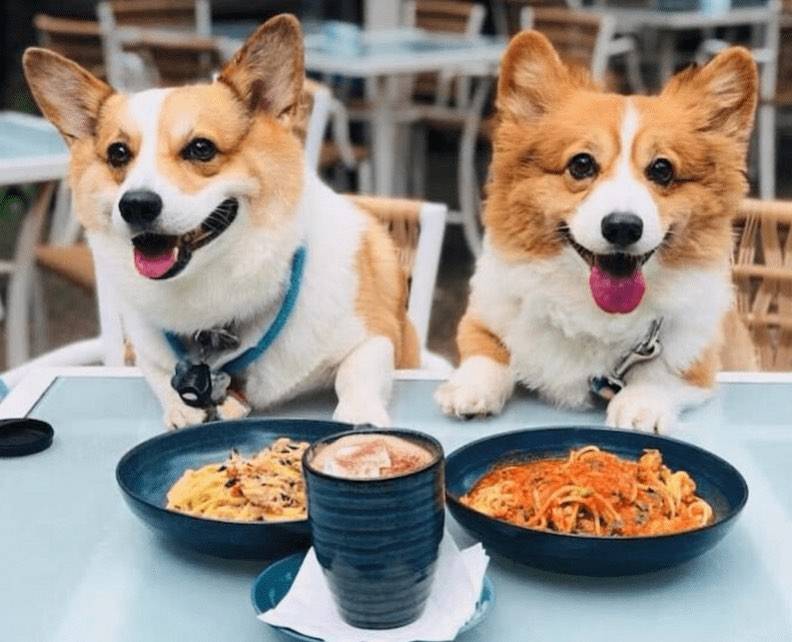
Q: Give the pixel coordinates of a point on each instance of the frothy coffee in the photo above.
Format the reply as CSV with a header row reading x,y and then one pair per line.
x,y
371,456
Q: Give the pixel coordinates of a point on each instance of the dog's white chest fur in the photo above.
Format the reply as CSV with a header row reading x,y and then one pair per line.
x,y
558,338
243,281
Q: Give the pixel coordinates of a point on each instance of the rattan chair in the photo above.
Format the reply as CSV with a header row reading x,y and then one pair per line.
x,y
763,277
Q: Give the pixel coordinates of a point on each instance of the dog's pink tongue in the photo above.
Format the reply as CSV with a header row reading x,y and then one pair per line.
x,y
616,294
155,266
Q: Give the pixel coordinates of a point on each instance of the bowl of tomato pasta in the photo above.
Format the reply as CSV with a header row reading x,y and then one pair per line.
x,y
593,501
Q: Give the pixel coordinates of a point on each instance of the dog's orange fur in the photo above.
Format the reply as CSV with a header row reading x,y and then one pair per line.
x,y
382,294
476,339
547,113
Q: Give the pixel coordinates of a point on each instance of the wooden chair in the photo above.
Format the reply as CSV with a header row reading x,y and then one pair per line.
x,y
762,273
79,40
462,18
431,100
507,14
188,15
149,30
170,62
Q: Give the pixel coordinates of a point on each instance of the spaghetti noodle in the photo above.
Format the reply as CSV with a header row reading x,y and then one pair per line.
x,y
592,493
268,486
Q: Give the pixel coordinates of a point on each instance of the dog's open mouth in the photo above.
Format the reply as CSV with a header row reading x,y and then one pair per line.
x,y
616,280
162,256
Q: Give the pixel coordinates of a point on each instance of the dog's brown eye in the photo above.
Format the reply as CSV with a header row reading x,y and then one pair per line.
x,y
582,166
118,154
660,171
199,149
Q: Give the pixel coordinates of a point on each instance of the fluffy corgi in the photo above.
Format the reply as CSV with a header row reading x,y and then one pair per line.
x,y
215,237
607,240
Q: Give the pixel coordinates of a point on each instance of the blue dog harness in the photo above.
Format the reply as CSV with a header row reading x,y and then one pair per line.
x,y
199,385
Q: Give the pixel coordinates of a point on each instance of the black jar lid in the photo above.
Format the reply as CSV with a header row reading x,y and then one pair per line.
x,y
24,436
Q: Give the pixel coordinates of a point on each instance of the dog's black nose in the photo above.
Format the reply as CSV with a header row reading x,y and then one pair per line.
x,y
622,228
140,207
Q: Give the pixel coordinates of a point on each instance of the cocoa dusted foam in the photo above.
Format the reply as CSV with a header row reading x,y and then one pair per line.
x,y
370,456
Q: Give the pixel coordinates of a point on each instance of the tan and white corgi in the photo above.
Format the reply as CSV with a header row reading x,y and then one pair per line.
x,y
607,225
196,203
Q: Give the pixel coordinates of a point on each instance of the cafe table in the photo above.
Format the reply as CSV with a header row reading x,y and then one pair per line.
x,y
76,565
382,58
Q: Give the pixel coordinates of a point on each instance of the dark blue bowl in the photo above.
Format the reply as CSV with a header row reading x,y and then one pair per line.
x,y
146,473
717,481
377,540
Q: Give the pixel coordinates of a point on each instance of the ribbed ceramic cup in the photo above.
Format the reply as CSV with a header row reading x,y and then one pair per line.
x,y
377,539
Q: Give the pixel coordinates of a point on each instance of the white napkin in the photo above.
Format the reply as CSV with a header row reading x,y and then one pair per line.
x,y
308,607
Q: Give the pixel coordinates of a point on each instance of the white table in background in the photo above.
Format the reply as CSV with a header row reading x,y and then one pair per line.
x,y
385,57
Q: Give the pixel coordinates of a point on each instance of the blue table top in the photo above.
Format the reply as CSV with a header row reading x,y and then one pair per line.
x,y
31,150
20,137
77,565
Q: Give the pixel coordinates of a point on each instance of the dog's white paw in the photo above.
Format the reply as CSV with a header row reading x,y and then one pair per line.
x,y
180,415
232,408
480,386
644,407
352,411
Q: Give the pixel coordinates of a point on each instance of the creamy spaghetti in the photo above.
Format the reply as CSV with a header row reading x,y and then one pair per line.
x,y
592,492
268,486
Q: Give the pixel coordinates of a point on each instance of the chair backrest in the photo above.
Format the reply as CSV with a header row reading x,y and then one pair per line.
x,y
460,17
170,61
79,40
509,13
417,230
186,15
446,16
581,39
151,51
762,273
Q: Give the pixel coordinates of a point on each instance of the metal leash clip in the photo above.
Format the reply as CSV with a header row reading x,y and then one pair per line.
x,y
606,387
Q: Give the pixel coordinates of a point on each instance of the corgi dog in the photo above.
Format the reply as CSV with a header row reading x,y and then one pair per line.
x,y
607,229
214,236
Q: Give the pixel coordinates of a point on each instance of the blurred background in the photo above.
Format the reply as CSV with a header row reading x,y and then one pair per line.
x,y
402,94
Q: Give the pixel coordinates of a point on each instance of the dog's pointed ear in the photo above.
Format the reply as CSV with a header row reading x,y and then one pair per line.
x,y
723,93
68,95
532,77
267,73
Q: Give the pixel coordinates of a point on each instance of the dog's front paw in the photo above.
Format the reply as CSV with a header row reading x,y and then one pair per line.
x,y
352,411
232,408
644,407
479,387
180,415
